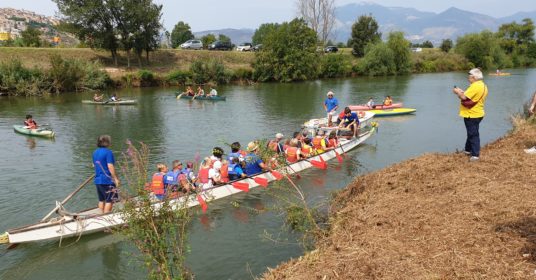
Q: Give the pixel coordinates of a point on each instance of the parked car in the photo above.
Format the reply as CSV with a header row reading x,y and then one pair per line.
x,y
257,48
331,49
221,46
192,44
244,47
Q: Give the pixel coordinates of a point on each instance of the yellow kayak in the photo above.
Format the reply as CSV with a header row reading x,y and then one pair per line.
x,y
500,74
393,112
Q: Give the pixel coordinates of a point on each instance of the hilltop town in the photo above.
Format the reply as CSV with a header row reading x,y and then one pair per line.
x,y
14,21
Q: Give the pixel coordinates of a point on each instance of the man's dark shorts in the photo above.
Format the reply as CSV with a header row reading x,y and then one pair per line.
x,y
107,193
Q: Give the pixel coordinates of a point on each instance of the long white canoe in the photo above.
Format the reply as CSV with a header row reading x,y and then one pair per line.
x,y
92,220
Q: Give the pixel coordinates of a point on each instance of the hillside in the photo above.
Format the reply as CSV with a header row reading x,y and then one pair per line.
x,y
437,216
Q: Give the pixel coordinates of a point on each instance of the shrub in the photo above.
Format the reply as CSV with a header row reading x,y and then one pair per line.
x,y
94,77
379,60
178,77
335,65
65,75
212,70
242,74
146,78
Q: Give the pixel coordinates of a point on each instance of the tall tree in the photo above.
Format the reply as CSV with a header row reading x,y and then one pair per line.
x,y
147,38
516,37
364,32
30,37
402,55
482,49
181,33
289,54
446,45
261,32
319,15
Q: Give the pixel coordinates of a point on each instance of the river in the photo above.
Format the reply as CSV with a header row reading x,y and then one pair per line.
x,y
227,242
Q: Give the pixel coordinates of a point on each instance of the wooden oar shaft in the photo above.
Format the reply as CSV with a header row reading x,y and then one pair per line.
x,y
68,197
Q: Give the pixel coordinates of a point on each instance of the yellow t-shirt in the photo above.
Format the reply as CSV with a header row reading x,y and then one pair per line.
x,y
477,91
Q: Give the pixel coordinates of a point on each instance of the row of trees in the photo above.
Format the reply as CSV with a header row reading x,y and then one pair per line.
x,y
114,25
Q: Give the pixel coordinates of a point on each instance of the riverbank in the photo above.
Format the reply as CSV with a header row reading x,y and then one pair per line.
x,y
437,216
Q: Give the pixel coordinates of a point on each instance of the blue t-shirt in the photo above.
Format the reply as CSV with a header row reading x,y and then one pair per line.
x,y
238,170
331,103
253,164
351,118
101,158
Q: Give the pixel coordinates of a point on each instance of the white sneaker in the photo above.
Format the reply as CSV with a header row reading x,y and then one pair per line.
x,y
474,158
531,150
466,153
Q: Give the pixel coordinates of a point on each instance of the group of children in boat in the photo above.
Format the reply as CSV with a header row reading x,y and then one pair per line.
x,y
217,170
388,101
200,92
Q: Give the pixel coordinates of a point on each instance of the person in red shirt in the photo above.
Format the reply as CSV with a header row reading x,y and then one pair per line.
x,y
30,123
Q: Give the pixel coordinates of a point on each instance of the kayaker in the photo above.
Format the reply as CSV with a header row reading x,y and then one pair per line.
x,y
97,97
275,144
114,98
213,91
200,91
30,123
158,186
235,170
253,163
106,179
371,104
350,121
472,111
331,104
189,91
388,101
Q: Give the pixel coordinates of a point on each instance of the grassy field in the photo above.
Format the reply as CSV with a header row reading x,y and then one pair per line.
x,y
161,61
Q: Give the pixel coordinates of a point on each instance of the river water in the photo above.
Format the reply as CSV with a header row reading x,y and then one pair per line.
x,y
228,242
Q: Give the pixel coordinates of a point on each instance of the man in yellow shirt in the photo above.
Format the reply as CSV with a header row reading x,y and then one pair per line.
x,y
473,114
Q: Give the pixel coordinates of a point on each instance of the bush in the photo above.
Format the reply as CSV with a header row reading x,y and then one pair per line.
x,y
18,80
94,77
212,70
335,65
482,49
379,60
146,78
242,74
178,77
65,75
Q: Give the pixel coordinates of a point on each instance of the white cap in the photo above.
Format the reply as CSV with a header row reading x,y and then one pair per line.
x,y
476,73
279,135
217,165
330,93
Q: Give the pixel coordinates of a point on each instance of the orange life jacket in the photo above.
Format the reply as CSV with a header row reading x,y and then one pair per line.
x,y
317,143
157,184
224,173
243,153
306,150
333,142
292,154
203,175
272,145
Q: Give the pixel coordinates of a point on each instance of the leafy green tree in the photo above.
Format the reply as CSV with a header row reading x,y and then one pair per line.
x,y
208,39
400,47
181,33
30,37
482,49
289,54
427,44
224,38
379,60
147,38
261,32
516,37
446,45
364,31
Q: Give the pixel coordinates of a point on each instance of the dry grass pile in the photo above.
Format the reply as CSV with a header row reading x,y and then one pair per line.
x,y
434,217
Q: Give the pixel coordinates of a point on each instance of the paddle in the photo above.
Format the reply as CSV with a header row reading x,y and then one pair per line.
x,y
241,186
68,197
180,95
202,203
318,164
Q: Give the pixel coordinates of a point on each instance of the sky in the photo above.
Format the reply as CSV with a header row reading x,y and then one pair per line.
x,y
204,15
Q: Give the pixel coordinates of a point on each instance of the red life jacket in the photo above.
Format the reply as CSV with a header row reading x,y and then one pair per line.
x,y
31,125
292,154
157,184
333,142
306,150
272,145
224,173
243,153
203,175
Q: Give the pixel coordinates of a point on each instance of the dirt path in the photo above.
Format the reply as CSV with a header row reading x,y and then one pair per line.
x,y
437,216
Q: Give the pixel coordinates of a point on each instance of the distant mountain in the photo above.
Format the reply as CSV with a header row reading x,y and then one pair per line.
x,y
419,26
237,35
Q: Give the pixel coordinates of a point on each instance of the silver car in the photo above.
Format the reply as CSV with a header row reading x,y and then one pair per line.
x,y
192,44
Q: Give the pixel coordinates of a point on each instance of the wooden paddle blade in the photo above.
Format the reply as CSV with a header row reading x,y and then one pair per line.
x,y
202,203
339,157
241,186
261,181
319,164
278,176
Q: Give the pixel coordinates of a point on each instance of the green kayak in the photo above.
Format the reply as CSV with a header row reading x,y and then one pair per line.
x,y
212,98
41,132
120,102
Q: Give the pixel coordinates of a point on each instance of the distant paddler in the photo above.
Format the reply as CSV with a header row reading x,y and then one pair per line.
x,y
98,98
331,105
30,123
